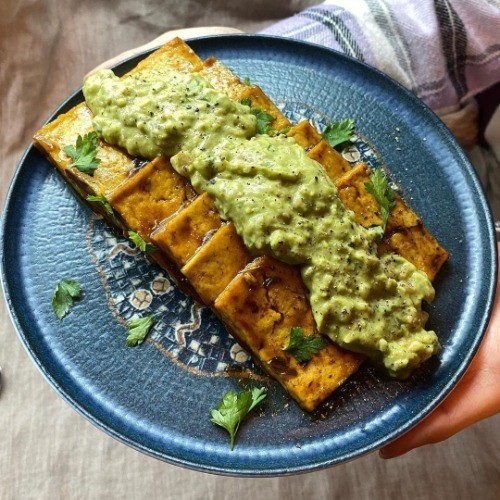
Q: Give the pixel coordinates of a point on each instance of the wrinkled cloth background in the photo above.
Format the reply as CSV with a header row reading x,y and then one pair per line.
x,y
47,451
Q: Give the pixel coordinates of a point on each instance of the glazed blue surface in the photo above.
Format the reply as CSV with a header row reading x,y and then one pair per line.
x,y
157,397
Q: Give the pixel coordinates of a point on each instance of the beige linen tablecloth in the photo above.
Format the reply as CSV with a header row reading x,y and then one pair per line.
x,y
48,451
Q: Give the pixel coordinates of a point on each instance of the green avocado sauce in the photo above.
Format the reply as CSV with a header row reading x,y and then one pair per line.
x,y
282,204
154,112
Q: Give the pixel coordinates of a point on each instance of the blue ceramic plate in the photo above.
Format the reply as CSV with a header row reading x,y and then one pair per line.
x,y
157,397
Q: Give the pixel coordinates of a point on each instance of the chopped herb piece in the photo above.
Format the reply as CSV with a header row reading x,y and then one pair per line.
x,y
140,243
104,202
64,294
247,81
383,193
138,328
234,408
258,395
378,231
273,132
247,101
303,347
264,120
337,133
84,153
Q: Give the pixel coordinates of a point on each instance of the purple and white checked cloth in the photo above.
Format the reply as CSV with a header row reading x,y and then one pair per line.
x,y
443,50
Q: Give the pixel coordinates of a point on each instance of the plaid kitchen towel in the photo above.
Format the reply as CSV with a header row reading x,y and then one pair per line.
x,y
443,50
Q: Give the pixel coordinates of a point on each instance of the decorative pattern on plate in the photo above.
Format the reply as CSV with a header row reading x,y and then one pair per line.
x,y
189,334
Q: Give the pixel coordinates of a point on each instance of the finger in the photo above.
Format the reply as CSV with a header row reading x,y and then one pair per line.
x,y
449,418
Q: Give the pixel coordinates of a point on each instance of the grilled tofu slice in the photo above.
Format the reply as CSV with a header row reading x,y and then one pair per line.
x,y
353,193
174,54
418,246
216,263
182,234
305,135
405,233
223,79
332,160
260,306
148,197
115,164
260,100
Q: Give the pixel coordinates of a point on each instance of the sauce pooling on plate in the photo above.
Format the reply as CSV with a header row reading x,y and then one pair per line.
x,y
282,203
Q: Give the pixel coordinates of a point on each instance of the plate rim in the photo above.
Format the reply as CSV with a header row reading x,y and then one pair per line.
x,y
273,471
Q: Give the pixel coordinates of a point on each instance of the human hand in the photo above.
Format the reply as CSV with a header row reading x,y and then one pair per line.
x,y
477,396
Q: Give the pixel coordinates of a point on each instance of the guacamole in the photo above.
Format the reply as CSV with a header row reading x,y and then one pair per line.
x,y
282,204
156,112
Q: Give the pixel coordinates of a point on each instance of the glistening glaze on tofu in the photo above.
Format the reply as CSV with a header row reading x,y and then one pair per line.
x,y
282,204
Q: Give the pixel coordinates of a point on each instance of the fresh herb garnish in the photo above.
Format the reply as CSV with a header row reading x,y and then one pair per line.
x,y
264,120
383,193
258,395
247,81
274,132
138,328
142,245
64,294
104,202
337,133
84,153
303,347
234,408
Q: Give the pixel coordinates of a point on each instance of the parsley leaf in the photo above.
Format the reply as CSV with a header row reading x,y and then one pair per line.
x,y
138,328
337,133
140,243
65,292
104,202
383,193
258,395
273,132
264,120
247,81
303,347
84,153
234,408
